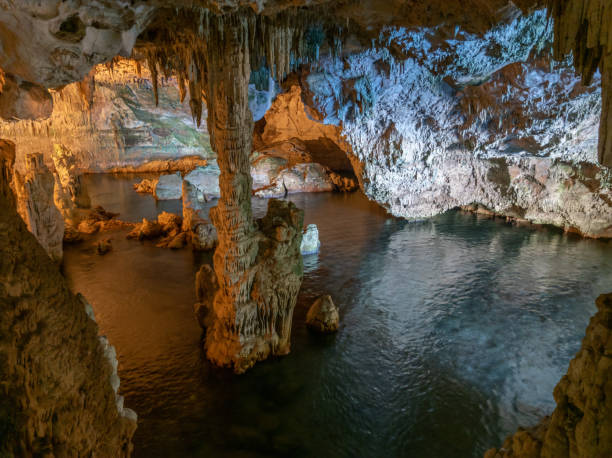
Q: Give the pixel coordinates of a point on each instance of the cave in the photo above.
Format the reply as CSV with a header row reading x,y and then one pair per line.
x,y
306,228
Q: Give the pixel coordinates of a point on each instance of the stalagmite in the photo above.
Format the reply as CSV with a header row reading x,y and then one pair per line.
x,y
35,204
258,268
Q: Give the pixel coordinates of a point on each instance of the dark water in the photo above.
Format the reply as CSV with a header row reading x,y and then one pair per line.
x,y
453,332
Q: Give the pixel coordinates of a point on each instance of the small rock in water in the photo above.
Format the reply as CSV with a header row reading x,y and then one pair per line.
x,y
146,186
323,315
310,240
103,246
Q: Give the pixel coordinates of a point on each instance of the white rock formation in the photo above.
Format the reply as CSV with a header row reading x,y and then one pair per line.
x,y
310,240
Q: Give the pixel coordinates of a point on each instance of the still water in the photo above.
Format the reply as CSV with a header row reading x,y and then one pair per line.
x,y
453,332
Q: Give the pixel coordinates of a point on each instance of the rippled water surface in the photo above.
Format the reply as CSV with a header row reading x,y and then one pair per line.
x,y
453,332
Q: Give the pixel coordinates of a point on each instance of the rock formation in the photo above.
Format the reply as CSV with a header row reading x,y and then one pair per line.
x,y
59,380
258,268
169,187
323,315
35,204
70,194
581,424
310,240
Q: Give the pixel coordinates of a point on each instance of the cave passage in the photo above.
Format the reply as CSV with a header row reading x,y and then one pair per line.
x,y
437,317
425,185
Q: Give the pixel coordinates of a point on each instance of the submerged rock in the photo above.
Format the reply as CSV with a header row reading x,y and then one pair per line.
x,y
323,315
104,246
169,187
310,240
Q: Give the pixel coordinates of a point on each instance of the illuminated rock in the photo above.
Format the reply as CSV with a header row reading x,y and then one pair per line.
x,y
64,400
35,204
323,315
310,240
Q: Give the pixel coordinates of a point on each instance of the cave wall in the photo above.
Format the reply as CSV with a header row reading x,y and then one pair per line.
x,y
502,125
59,379
115,123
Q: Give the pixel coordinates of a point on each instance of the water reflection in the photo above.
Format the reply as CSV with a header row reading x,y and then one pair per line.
x,y
453,332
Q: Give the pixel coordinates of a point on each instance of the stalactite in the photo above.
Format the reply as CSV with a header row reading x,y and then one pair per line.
x,y
585,29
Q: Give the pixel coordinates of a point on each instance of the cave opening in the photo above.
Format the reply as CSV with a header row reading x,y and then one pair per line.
x,y
405,208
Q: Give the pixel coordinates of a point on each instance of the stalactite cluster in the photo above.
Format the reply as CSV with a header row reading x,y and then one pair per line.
x,y
181,42
585,28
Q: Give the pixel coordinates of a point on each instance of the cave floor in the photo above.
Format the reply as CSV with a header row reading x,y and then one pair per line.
x,y
453,332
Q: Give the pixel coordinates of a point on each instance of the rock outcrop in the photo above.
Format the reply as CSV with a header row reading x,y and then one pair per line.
x,y
36,205
323,316
310,240
59,380
581,424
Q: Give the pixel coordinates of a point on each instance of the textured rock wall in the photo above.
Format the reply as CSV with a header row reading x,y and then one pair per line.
x,y
581,424
35,203
110,120
429,118
59,380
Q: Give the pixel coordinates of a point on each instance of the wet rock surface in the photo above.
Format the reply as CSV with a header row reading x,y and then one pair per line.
x,y
323,316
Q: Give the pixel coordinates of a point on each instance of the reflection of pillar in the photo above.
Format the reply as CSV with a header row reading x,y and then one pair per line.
x,y
258,267
59,381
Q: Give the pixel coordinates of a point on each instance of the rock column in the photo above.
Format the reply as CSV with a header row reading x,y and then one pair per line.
x,y
257,264
35,204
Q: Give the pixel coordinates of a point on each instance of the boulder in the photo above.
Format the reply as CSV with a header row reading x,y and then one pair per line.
x,y
310,240
170,222
146,230
146,186
323,315
169,187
